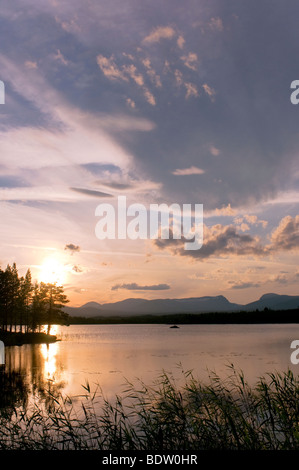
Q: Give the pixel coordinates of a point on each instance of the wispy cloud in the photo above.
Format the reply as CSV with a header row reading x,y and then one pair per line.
x,y
216,24
60,57
181,42
214,151
227,210
190,60
245,285
110,69
161,32
92,192
192,170
135,286
191,90
131,71
155,78
30,64
209,91
149,97
128,72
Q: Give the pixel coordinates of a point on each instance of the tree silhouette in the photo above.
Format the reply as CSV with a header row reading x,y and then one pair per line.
x,y
54,298
29,306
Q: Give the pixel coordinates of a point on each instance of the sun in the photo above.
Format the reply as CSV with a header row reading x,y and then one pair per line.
x,y
52,272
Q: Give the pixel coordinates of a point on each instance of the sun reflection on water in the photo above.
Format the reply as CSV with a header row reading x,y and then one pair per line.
x,y
49,354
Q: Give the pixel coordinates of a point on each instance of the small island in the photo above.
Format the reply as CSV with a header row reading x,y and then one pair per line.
x,y
18,339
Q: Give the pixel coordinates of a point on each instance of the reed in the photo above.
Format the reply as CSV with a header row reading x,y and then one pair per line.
x,y
218,415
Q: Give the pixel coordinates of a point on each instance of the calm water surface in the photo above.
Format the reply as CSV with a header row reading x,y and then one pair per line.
x,y
109,354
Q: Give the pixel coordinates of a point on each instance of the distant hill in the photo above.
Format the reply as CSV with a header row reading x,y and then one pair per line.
x,y
274,302
218,303
154,307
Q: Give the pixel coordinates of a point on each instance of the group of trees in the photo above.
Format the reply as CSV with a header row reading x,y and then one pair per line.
x,y
26,306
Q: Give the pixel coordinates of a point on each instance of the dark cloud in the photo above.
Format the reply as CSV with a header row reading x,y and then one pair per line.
x,y
134,286
91,192
218,241
221,240
245,285
113,185
71,247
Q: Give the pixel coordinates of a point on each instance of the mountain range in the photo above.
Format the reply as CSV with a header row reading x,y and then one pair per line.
x,y
132,307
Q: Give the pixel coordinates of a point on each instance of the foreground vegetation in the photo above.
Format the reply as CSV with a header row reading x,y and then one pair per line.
x,y
220,415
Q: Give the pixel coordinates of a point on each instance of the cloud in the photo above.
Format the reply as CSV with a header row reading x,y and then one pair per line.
x,y
149,97
29,64
67,133
131,103
214,151
245,285
60,57
131,71
154,77
91,192
70,26
77,269
116,185
178,77
225,210
134,286
191,90
72,248
279,278
193,170
251,219
161,32
209,91
180,41
219,241
190,60
110,69
126,72
286,235
216,24
226,240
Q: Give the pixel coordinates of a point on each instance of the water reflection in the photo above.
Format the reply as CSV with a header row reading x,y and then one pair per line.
x,y
107,355
49,353
30,372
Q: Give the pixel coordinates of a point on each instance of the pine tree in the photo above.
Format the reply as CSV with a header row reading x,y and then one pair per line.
x,y
25,301
55,300
28,305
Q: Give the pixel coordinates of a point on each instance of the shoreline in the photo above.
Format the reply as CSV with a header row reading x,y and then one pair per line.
x,y
266,316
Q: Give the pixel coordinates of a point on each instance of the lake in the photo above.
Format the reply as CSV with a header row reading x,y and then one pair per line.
x,y
107,355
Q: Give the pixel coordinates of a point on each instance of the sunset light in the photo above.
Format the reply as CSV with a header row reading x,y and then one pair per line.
x,y
52,272
149,207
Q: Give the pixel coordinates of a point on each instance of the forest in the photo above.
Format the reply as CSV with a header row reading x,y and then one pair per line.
x,y
26,306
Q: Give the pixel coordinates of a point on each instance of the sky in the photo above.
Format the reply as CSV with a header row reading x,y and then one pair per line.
x,y
162,102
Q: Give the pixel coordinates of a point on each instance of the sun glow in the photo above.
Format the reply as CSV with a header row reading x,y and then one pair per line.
x,y
49,353
53,272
